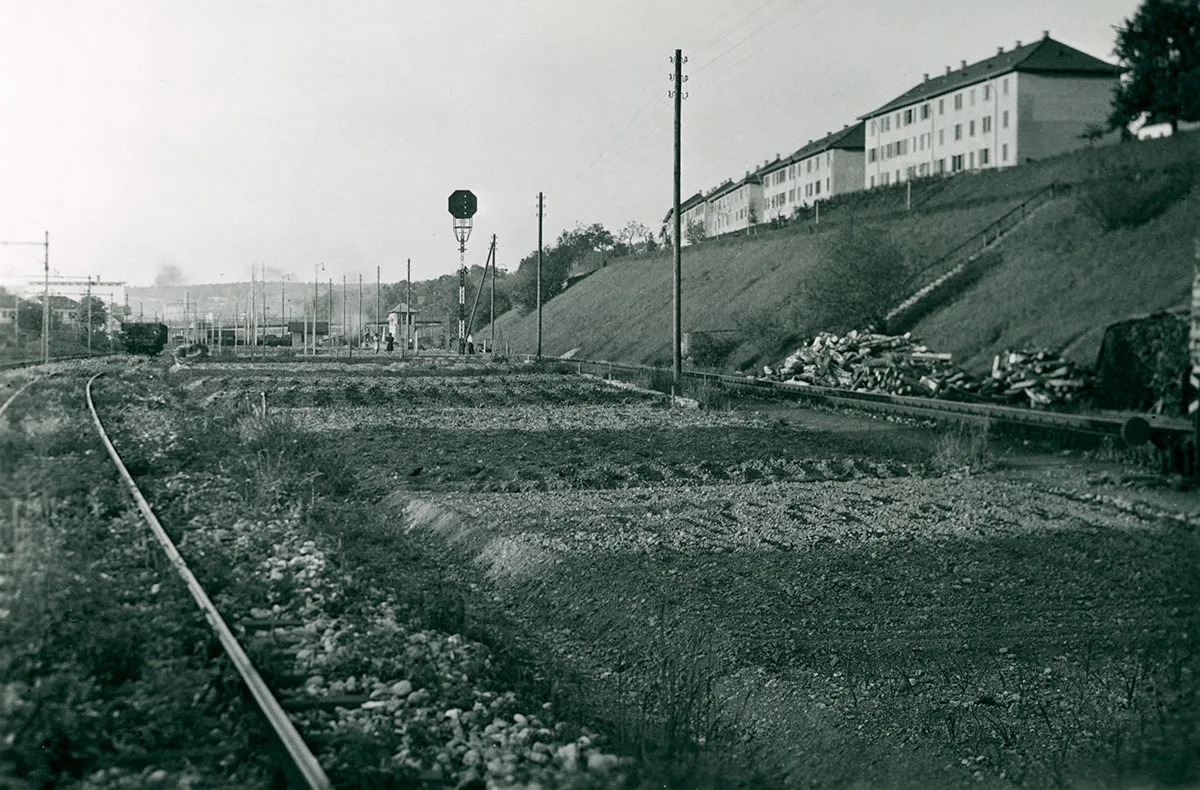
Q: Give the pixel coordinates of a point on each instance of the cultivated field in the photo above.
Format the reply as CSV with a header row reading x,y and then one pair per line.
x,y
807,600
536,578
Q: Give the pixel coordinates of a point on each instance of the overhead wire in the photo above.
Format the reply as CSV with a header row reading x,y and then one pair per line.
x,y
770,21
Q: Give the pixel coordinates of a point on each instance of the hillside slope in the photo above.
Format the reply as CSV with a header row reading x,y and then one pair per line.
x,y
1062,277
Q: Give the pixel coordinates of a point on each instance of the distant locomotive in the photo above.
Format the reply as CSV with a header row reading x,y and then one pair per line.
x,y
147,338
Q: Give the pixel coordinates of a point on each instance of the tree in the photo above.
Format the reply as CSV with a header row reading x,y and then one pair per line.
x,y
694,233
99,314
861,277
556,263
1160,48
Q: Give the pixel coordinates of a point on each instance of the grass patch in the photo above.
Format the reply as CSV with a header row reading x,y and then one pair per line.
x,y
963,447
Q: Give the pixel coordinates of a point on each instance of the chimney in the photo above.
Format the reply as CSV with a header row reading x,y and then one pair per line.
x,y
947,70
1018,46
964,65
926,77
999,50
1045,34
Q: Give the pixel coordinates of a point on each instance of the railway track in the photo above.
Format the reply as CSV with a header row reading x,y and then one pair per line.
x,y
1164,432
294,759
300,766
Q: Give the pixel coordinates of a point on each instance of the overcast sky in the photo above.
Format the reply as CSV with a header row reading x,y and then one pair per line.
x,y
216,134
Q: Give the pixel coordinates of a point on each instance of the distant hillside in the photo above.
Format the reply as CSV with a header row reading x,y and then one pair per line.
x,y
1061,280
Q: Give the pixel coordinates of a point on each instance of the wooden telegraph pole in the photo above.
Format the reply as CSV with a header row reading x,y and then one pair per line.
x,y
541,214
676,303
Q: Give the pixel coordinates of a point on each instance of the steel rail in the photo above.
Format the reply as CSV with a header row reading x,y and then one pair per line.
x,y
1095,424
11,398
309,770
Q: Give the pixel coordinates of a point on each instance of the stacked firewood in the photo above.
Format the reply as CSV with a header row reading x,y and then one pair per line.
x,y
900,365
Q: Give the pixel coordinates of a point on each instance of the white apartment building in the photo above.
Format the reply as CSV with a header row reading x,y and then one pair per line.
x,y
830,166
1029,103
692,210
735,206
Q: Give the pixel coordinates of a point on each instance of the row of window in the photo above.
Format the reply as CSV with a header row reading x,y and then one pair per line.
x,y
811,189
924,112
791,172
958,163
919,143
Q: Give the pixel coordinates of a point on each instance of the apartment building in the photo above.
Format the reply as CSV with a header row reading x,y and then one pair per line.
x,y
694,210
735,205
832,165
1031,102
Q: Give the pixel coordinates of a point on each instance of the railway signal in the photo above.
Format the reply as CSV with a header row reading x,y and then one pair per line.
x,y
463,206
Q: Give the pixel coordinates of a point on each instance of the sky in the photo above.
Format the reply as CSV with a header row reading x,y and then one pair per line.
x,y
219,135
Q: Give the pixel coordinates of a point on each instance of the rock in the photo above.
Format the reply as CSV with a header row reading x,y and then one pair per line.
x,y
471,757
418,696
402,689
597,761
569,756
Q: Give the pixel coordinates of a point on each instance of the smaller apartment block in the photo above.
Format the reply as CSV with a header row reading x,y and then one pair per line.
x,y
735,205
830,166
1029,103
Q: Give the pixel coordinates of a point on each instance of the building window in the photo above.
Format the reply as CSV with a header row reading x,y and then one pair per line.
x,y
908,172
818,163
941,166
818,189
908,117
1004,84
1004,153
956,163
941,106
958,131
872,182
884,179
872,128
987,124
972,160
827,183
808,165
871,154
925,112
958,101
984,157
791,196
972,97
987,92
971,129
941,136
1004,119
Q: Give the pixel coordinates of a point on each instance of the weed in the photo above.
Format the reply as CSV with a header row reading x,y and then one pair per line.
x,y
964,446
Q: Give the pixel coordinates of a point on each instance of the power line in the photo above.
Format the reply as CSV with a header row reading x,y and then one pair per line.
x,y
751,34
728,30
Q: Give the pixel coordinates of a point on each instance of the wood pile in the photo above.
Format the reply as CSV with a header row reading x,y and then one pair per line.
x,y
900,365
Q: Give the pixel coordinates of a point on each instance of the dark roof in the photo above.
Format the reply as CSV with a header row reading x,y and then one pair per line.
x,y
1044,56
733,186
852,138
694,200
400,307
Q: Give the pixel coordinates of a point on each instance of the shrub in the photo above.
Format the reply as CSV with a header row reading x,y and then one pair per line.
x,y
1127,199
856,283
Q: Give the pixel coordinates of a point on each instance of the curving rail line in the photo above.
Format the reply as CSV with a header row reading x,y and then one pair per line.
x,y
303,764
11,398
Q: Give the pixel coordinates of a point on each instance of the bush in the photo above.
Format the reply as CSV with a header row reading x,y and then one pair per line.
x,y
1127,199
963,447
856,283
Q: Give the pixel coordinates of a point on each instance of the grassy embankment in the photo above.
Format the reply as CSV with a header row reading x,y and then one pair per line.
x,y
1062,279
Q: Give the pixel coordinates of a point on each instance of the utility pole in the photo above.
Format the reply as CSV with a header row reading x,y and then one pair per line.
x,y
677,330
283,315
492,345
329,331
407,303
377,330
316,301
358,334
541,214
46,306
89,318
344,338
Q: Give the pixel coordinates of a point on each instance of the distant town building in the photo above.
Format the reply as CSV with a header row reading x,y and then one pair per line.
x,y
832,165
735,206
1032,102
